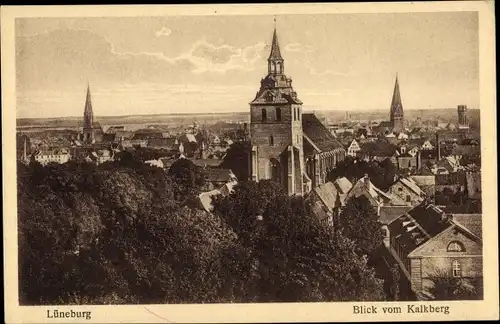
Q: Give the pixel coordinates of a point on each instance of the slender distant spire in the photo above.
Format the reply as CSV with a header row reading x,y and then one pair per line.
x,y
396,104
88,114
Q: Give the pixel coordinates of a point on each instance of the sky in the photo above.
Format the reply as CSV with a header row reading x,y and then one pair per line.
x,y
193,64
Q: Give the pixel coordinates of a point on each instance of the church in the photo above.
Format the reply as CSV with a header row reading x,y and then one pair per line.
x,y
91,131
396,123
288,146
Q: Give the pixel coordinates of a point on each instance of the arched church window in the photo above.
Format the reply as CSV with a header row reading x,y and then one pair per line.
x,y
278,114
264,114
455,246
294,114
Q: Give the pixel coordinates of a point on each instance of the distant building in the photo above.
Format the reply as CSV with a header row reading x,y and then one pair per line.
x,y
408,191
45,157
473,185
397,114
24,150
353,148
377,198
427,183
463,122
326,200
92,131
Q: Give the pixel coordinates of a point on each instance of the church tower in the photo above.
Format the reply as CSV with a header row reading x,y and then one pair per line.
x,y
463,123
276,127
88,120
397,115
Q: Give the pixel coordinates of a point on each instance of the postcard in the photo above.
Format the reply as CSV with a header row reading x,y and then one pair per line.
x,y
249,163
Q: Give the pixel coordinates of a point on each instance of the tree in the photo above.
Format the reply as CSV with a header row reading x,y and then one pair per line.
x,y
358,221
447,287
237,159
292,256
188,177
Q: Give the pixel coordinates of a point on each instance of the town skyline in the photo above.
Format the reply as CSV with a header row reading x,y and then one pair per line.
x,y
149,66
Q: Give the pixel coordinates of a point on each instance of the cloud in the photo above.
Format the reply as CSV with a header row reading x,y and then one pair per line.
x,y
164,31
324,72
221,59
297,47
63,59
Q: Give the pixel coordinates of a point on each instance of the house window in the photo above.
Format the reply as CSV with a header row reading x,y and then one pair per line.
x,y
264,114
400,189
456,268
408,198
278,114
271,140
455,246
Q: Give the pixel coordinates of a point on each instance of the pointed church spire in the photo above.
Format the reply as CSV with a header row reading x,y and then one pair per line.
x,y
275,48
397,115
275,60
88,114
396,104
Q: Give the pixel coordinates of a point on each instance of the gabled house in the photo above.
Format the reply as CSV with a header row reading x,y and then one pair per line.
x,y
426,242
216,178
353,148
408,191
205,199
427,146
377,198
326,200
427,183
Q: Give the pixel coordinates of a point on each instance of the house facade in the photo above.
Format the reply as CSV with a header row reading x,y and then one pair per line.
x,y
408,191
427,243
456,252
353,148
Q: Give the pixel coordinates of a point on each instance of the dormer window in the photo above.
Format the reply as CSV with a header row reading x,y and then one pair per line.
x,y
455,246
269,97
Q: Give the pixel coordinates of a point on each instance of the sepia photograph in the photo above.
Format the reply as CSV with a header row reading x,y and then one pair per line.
x,y
254,158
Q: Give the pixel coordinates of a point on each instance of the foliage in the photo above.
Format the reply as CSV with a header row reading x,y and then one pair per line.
x,y
237,159
295,258
457,202
119,233
188,177
382,174
447,287
359,222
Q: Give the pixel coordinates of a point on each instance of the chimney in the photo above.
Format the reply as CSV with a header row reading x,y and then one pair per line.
x,y
419,160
